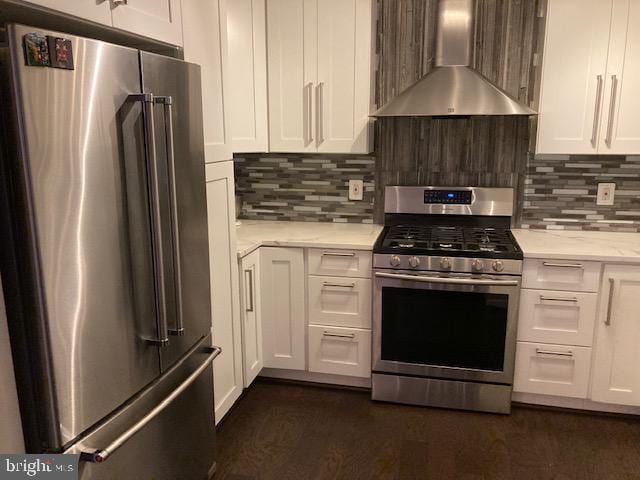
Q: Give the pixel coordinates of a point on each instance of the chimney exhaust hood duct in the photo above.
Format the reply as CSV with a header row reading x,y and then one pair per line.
x,y
452,87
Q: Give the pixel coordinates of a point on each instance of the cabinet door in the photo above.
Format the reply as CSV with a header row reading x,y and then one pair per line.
x,y
205,43
573,74
282,306
291,59
616,377
247,38
251,317
157,19
621,110
343,89
225,298
99,12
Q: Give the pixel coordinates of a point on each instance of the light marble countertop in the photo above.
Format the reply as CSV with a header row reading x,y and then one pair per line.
x,y
258,233
616,247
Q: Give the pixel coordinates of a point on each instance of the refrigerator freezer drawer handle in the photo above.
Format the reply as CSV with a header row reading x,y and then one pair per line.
x,y
101,455
167,102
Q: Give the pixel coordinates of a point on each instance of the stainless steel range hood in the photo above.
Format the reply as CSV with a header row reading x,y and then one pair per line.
x,y
452,87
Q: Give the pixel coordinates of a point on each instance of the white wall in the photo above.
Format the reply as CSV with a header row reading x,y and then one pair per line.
x,y
11,440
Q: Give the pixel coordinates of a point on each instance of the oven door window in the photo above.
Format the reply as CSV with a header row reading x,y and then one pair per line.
x,y
444,328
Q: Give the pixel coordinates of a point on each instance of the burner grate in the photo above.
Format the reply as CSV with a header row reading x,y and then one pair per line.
x,y
448,238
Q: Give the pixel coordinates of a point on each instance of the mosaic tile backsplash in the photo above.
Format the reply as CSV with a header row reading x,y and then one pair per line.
x,y
298,187
560,193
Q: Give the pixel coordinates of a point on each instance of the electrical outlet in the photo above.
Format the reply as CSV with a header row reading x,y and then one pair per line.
x,y
606,193
355,189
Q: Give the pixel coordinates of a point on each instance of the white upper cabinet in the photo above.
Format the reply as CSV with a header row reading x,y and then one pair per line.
x,y
247,39
616,376
159,19
573,75
589,101
99,12
620,132
205,43
319,63
291,40
343,99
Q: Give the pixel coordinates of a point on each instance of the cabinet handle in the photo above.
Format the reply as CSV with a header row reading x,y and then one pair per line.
x,y
612,286
565,265
336,254
558,299
320,112
308,93
596,112
350,336
549,352
249,300
339,285
612,108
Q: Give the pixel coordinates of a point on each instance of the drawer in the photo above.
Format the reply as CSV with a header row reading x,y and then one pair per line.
x,y
575,276
566,318
552,369
339,263
340,351
340,301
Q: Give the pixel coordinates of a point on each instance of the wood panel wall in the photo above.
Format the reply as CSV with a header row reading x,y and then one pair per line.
x,y
477,151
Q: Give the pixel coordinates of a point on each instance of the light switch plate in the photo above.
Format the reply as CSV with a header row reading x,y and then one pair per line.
x,y
606,193
355,189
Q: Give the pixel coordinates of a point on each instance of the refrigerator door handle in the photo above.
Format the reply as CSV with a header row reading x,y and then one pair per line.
x,y
167,103
102,454
147,100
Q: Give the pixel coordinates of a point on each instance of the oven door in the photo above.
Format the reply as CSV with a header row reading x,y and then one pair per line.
x,y
449,326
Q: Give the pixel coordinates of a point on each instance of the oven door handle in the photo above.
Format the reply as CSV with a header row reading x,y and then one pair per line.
x,y
449,280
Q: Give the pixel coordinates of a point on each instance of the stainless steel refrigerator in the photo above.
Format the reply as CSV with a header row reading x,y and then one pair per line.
x,y
105,255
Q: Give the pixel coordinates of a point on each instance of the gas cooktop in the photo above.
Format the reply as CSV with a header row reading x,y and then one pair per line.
x,y
448,240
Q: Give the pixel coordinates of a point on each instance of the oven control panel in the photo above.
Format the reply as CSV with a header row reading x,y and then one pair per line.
x,y
448,197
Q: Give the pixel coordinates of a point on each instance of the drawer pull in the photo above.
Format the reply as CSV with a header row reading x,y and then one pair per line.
x,y
337,254
558,299
350,336
338,285
612,286
549,352
565,265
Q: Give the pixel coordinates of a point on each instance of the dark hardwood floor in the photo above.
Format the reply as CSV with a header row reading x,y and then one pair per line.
x,y
288,431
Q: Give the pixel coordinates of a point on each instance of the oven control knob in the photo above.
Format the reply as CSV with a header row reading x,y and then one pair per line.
x,y
498,266
394,261
445,263
414,262
477,265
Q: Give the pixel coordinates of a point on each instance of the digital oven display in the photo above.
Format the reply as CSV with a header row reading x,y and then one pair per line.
x,y
449,197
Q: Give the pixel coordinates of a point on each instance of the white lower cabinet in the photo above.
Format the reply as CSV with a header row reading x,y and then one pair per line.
x,y
616,367
582,342
340,351
566,275
339,301
282,293
339,263
561,317
552,369
225,301
251,316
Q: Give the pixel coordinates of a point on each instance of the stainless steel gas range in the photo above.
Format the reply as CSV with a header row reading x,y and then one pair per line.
x,y
447,276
